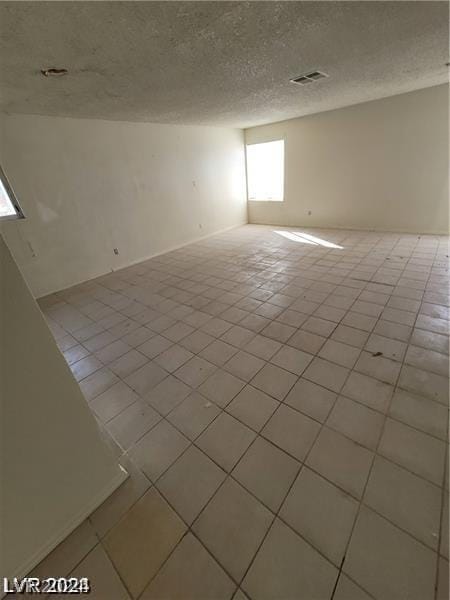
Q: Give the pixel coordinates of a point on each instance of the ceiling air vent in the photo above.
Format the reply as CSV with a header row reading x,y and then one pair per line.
x,y
309,77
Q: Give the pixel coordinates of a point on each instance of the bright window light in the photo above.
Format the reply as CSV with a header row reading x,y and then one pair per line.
x,y
319,241
295,238
9,207
306,238
265,171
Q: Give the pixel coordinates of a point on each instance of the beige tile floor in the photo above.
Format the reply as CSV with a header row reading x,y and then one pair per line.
x,y
282,408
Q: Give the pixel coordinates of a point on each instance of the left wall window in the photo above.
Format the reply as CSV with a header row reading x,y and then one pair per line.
x,y
9,206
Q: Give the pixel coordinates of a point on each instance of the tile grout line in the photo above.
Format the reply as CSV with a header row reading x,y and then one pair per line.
x,y
223,409
373,460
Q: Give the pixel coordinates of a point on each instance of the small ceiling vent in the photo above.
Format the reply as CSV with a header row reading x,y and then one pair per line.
x,y
309,77
53,72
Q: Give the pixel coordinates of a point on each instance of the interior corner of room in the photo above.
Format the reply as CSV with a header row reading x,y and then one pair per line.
x,y
89,181
224,262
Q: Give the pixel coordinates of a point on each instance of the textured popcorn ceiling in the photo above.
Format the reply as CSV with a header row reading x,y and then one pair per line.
x,y
220,63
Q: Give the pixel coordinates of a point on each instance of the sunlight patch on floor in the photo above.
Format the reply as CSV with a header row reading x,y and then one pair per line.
x,y
306,238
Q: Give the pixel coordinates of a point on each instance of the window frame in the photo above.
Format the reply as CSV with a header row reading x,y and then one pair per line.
x,y
19,214
266,141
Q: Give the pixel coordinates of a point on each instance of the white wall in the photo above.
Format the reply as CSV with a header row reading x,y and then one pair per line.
x,y
55,467
378,165
88,186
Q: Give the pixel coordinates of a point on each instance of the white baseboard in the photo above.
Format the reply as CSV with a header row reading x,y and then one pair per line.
x,y
142,259
183,245
67,529
350,228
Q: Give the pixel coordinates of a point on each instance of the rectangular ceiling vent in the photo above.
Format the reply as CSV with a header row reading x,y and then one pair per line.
x,y
309,77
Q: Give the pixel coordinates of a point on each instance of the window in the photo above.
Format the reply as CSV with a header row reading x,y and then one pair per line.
x,y
265,171
9,207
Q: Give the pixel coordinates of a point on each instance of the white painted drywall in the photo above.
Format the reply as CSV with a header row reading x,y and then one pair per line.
x,y
89,186
55,467
380,165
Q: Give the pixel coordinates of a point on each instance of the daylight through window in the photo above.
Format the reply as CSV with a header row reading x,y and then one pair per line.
x,y
265,171
9,207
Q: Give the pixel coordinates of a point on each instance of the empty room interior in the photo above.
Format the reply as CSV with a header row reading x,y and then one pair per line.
x,y
224,250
